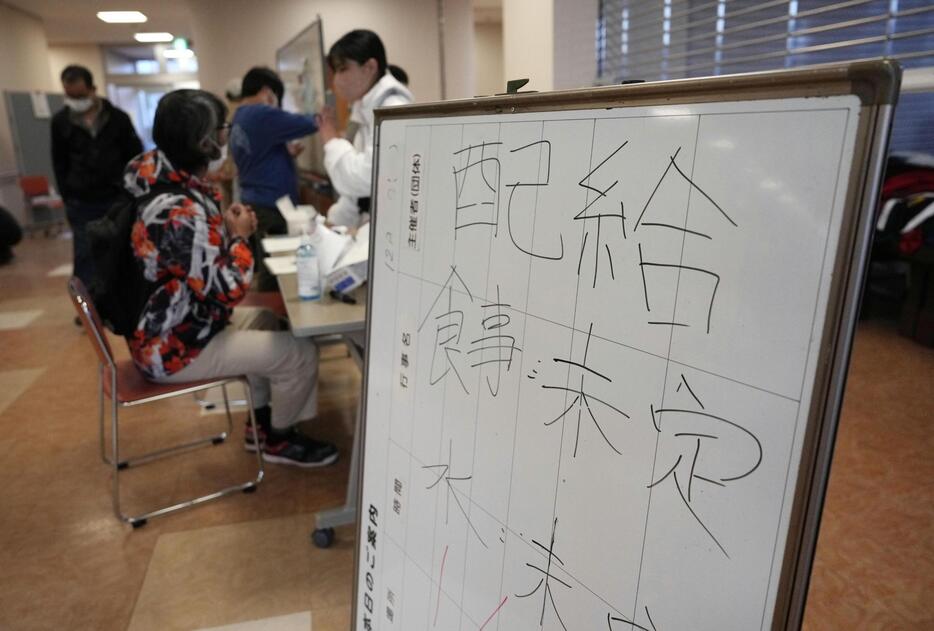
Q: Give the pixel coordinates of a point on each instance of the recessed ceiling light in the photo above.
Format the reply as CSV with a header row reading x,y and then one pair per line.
x,y
149,38
178,53
121,17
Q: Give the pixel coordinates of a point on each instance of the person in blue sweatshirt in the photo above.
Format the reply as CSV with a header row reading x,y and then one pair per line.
x,y
260,141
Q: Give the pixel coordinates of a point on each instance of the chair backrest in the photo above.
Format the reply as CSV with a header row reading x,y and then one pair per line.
x,y
34,185
91,321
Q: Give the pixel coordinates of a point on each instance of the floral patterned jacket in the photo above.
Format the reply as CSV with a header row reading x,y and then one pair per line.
x,y
181,243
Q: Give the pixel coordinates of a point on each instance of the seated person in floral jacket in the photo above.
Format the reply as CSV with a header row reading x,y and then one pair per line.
x,y
201,262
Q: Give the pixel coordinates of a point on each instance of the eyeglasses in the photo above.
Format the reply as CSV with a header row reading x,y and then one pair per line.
x,y
224,127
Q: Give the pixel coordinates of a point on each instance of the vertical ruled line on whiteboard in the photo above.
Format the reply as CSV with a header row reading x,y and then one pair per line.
x,y
426,164
434,525
671,333
473,464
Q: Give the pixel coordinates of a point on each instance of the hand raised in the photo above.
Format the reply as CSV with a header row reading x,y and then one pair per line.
x,y
241,220
327,123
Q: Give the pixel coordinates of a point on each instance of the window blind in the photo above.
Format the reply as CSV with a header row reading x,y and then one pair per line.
x,y
669,39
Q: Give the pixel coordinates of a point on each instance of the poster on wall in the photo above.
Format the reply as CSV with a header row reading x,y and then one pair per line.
x,y
40,104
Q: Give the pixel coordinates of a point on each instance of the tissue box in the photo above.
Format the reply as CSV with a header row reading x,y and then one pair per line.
x,y
296,218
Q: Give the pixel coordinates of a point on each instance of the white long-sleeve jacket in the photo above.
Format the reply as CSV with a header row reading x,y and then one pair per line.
x,y
350,165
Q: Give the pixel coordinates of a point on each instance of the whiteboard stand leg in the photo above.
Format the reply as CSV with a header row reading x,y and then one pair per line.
x,y
327,520
346,514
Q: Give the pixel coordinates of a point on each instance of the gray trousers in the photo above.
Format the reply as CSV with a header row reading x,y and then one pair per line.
x,y
282,369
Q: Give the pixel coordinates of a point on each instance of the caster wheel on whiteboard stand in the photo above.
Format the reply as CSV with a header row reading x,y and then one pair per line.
x,y
323,537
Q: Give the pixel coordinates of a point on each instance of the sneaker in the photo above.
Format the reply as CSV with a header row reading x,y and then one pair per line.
x,y
263,417
249,440
299,450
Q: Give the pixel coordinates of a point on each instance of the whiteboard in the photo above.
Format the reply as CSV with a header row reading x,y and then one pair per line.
x,y
593,345
302,66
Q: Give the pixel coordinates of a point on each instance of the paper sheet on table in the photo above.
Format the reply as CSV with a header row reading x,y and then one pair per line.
x,y
281,245
330,247
279,265
359,248
286,245
350,271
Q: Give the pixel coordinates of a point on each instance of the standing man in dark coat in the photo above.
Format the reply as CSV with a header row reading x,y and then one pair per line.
x,y
92,141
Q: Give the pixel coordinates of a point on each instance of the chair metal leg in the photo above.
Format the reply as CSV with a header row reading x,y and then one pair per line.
x,y
153,455
100,408
204,404
260,471
227,410
140,520
214,439
114,446
201,401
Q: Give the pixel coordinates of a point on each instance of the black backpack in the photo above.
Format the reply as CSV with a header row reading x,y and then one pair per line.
x,y
118,288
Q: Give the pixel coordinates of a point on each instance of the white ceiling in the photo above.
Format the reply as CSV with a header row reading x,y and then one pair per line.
x,y
75,21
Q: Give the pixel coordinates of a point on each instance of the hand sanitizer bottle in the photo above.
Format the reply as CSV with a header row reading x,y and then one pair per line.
x,y
309,275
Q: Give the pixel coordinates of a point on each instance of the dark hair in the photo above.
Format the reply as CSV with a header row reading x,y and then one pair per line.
x,y
184,119
358,46
260,77
74,73
401,75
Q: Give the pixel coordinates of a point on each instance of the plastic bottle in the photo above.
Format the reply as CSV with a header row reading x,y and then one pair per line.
x,y
309,274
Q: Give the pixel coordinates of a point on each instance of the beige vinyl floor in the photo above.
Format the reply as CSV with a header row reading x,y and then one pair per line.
x,y
246,562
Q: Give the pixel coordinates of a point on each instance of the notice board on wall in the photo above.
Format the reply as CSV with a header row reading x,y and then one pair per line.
x,y
29,115
607,340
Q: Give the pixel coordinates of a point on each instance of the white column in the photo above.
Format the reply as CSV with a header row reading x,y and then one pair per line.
x,y
528,42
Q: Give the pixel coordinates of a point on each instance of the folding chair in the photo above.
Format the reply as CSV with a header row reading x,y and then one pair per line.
x,y
125,386
46,208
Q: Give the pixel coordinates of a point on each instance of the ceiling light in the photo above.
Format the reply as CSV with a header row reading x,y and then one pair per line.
x,y
178,53
151,38
121,17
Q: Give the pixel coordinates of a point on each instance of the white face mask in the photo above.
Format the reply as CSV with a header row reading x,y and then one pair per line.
x,y
79,105
214,165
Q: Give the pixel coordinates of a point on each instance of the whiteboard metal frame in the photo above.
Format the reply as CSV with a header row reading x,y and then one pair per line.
x,y
876,84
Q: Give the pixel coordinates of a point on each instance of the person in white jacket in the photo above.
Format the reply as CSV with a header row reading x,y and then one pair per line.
x,y
358,61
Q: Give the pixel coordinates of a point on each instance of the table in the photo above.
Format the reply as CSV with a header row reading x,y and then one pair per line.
x,y
311,318
327,316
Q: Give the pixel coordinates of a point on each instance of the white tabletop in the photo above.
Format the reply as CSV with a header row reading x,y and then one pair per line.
x,y
281,245
325,316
